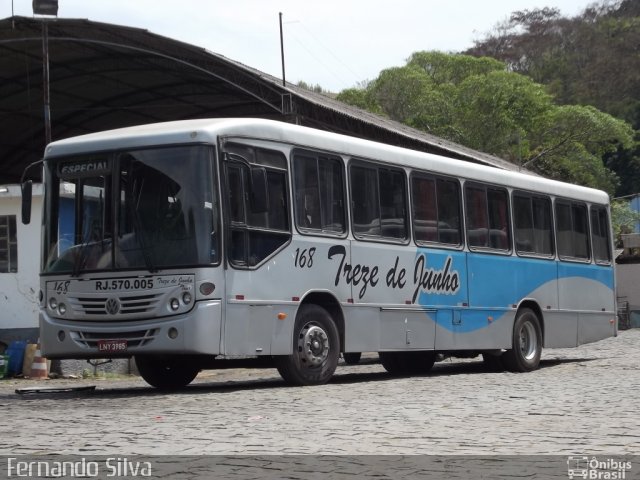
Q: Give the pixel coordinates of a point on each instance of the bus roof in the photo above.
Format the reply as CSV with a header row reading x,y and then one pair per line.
x,y
210,130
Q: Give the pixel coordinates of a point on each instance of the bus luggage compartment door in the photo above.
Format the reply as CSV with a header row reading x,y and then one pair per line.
x,y
406,328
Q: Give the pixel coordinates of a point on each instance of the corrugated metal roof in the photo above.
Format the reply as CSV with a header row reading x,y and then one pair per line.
x,y
105,76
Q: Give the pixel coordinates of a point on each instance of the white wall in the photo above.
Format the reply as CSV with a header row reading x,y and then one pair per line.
x,y
19,291
628,284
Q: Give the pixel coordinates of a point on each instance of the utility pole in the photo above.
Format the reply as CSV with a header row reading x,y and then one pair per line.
x,y
45,82
282,51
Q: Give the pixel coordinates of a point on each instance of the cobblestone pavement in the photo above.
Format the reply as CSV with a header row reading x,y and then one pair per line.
x,y
584,400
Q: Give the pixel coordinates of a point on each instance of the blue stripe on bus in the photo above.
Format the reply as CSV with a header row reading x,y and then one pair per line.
x,y
491,284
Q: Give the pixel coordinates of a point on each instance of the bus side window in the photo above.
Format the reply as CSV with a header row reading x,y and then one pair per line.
x,y
378,197
436,209
600,235
572,230
487,217
532,219
319,192
254,236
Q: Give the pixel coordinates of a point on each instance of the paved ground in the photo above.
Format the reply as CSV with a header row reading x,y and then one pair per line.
x,y
581,401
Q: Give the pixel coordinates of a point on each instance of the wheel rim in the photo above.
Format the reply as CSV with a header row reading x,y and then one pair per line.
x,y
313,345
528,341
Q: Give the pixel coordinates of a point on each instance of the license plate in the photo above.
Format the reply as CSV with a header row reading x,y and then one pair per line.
x,y
112,346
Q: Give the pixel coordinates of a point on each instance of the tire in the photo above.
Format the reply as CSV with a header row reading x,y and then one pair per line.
x,y
166,372
407,363
352,358
316,348
524,356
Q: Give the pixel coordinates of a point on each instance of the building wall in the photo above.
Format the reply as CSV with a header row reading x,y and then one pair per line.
x,y
19,290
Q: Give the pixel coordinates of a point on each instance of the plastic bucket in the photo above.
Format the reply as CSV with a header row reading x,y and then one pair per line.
x,y
16,356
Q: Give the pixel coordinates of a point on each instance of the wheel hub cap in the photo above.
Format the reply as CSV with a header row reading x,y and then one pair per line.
x,y
314,345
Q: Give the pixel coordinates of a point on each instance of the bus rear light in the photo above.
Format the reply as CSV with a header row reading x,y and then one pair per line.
x,y
239,297
295,299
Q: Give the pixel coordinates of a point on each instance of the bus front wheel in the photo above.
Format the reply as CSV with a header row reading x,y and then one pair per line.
x,y
526,348
316,348
166,372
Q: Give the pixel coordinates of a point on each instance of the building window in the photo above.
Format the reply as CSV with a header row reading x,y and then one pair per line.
x,y
8,244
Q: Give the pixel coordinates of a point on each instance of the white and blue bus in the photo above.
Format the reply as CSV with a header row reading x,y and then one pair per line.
x,y
189,243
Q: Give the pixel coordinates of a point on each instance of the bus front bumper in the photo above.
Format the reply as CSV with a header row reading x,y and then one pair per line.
x,y
194,333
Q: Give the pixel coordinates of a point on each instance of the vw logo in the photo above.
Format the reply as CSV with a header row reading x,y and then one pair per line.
x,y
112,306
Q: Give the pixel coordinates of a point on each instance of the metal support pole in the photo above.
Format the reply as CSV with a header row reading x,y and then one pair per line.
x,y
45,82
282,50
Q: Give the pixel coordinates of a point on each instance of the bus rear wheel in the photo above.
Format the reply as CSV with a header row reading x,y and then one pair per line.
x,y
407,363
166,372
316,348
524,356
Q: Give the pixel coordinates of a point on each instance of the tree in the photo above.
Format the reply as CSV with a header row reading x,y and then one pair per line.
x,y
623,219
479,103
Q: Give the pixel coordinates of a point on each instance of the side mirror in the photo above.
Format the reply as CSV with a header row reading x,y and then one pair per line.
x,y
27,188
259,190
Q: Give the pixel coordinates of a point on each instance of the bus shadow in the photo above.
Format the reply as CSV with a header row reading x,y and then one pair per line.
x,y
343,376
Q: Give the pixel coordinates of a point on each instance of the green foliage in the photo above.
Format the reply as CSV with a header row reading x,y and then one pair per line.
x,y
479,103
625,162
590,59
444,68
623,219
313,88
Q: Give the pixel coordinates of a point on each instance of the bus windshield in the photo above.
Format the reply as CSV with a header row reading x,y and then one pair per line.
x,y
144,209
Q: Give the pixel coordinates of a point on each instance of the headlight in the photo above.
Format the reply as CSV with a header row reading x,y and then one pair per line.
x,y
186,298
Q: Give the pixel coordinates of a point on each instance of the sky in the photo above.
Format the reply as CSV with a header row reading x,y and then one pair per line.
x,y
336,44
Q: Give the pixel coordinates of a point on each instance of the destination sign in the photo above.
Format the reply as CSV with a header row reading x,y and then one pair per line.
x,y
85,168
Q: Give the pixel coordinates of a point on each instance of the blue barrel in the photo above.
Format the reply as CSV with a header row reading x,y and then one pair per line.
x,y
16,356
